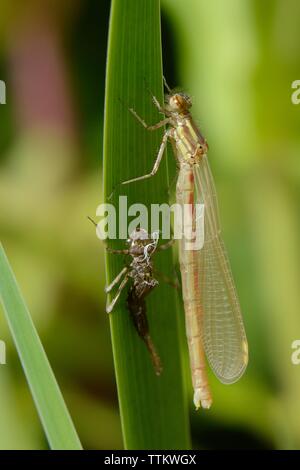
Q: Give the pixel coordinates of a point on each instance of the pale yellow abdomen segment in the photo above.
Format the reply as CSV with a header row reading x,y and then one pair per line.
x,y
189,267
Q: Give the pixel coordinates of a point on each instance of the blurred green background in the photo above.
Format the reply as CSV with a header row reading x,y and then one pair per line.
x,y
238,60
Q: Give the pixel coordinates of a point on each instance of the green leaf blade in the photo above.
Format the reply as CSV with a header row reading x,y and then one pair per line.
x,y
153,409
46,394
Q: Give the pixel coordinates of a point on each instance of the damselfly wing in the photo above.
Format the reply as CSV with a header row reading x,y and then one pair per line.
x,y
223,332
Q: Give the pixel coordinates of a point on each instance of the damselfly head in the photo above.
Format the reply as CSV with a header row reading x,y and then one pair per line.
x,y
178,102
140,240
139,237
138,234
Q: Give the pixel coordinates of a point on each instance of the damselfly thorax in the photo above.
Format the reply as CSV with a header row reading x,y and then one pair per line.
x,y
190,145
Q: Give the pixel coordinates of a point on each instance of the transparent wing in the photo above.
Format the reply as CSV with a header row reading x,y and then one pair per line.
x,y
223,331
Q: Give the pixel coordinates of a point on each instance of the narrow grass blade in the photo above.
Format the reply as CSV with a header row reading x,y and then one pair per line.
x,y
153,409
46,394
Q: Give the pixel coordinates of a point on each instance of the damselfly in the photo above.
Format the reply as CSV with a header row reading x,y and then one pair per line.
x,y
140,271
212,311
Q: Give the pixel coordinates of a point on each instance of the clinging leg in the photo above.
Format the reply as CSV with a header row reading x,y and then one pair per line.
x,y
156,102
157,161
145,125
116,280
117,252
172,282
110,307
166,245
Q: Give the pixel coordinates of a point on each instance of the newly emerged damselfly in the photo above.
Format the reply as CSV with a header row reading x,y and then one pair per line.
x,y
212,310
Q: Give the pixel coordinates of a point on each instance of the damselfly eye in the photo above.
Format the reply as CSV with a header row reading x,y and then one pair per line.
x,y
179,102
186,100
